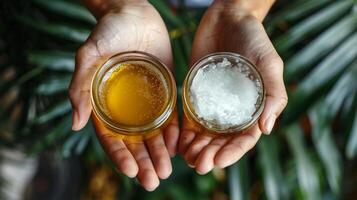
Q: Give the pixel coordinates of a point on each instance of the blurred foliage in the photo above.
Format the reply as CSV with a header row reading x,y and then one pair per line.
x,y
310,155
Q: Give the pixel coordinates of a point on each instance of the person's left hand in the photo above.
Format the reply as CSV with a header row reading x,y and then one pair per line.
x,y
226,27
132,26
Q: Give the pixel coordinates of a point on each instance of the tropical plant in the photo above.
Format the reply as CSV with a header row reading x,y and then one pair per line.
x,y
308,156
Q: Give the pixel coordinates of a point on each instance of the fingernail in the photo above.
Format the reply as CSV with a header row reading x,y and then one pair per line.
x,y
74,120
203,171
269,124
191,166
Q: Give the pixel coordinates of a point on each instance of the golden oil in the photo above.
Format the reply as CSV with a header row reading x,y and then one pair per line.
x,y
133,95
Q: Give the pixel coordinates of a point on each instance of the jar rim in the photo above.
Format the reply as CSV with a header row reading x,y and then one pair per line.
x,y
202,63
149,59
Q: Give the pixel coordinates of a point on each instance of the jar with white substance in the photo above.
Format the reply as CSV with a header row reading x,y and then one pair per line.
x,y
223,93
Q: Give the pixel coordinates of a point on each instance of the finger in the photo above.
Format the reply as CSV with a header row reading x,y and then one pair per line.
x,y
160,156
171,135
196,147
79,89
271,68
117,151
237,147
187,135
205,160
146,175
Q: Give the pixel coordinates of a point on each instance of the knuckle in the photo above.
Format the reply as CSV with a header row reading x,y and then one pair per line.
x,y
284,100
278,61
158,147
143,159
81,51
71,92
88,50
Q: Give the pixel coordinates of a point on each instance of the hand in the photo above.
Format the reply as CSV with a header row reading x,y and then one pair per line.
x,y
226,27
133,26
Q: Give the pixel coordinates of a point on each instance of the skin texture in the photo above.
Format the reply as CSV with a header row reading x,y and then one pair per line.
x,y
133,26
228,27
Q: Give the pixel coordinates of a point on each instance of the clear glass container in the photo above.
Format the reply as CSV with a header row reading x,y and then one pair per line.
x,y
101,116
203,126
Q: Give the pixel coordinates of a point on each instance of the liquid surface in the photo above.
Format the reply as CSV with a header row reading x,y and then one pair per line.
x,y
134,95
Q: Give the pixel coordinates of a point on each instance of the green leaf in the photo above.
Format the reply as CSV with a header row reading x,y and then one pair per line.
x,y
333,65
77,141
268,155
312,24
97,148
179,192
23,78
187,45
307,174
300,9
88,130
294,11
63,31
67,8
325,146
351,149
344,87
322,76
181,64
319,47
205,183
238,180
53,60
70,143
53,85
62,129
347,108
57,110
166,13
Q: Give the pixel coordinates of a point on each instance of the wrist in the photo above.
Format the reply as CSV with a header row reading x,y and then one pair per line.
x,y
101,7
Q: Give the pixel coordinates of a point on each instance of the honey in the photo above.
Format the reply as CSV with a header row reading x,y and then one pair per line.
x,y
134,95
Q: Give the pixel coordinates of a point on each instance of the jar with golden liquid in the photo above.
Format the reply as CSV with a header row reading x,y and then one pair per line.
x,y
133,95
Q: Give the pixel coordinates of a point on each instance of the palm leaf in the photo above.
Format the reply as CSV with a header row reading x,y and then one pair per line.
x,y
268,155
68,32
343,88
323,75
313,24
237,180
319,47
53,112
306,171
351,149
53,60
294,11
325,146
54,85
68,9
61,130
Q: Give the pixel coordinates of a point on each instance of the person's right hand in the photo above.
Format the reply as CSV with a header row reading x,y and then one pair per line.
x,y
229,27
133,26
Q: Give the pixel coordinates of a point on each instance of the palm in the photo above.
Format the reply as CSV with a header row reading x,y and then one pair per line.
x,y
225,29
138,28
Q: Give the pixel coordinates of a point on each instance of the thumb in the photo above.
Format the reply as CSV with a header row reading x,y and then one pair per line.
x,y
276,98
87,58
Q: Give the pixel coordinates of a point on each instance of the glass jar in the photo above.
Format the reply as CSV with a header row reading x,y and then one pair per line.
x,y
157,72
203,126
